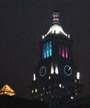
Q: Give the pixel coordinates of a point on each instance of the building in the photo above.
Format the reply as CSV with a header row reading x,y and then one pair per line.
x,y
56,76
7,90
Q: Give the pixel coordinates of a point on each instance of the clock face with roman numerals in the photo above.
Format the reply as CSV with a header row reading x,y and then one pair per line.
x,y
42,71
68,70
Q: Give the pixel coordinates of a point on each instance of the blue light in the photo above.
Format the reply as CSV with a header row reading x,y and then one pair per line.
x,y
47,49
50,46
44,51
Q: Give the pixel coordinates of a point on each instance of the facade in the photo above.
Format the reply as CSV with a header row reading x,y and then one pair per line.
x,y
56,75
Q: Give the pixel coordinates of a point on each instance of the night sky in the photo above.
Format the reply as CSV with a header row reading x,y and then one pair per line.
x,y
23,22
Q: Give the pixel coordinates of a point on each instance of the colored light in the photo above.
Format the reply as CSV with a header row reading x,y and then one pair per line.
x,y
34,77
72,97
60,85
44,51
66,52
56,69
78,75
55,15
50,46
52,69
36,90
47,50
49,77
63,51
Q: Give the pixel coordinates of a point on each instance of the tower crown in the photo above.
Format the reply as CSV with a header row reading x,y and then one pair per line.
x,y
56,28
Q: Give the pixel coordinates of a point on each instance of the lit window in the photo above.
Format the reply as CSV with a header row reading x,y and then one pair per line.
x,y
43,88
49,77
76,94
78,75
42,36
56,69
66,52
75,81
52,68
50,48
60,85
63,51
36,90
72,97
46,92
41,94
34,77
32,91
44,51
47,50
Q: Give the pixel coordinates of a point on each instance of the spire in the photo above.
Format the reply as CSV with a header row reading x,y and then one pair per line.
x,y
55,16
56,28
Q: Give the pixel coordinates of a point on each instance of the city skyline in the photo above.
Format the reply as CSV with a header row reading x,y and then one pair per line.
x,y
22,26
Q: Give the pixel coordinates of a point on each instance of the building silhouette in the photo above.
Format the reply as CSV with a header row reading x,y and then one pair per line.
x,y
56,76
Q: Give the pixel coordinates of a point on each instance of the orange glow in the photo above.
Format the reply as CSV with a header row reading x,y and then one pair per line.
x,y
6,90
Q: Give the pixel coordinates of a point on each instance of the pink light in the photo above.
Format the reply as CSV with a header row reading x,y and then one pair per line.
x,y
63,51
66,52
55,16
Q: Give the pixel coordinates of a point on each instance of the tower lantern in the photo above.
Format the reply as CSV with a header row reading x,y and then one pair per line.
x,y
55,17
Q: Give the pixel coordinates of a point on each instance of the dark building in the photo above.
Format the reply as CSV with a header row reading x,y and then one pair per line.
x,y
56,75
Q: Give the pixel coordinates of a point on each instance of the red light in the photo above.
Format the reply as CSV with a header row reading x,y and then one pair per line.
x,y
55,16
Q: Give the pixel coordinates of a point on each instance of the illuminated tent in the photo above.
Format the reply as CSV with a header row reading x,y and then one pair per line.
x,y
6,90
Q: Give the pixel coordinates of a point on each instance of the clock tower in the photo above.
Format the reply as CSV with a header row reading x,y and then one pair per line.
x,y
56,74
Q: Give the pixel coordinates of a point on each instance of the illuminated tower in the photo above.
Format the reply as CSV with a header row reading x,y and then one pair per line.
x,y
56,75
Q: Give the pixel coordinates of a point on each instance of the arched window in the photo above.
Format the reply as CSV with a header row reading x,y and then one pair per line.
x,y
47,49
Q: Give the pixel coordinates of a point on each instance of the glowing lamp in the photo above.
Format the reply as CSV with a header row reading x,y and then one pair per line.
x,y
55,15
34,77
78,75
72,97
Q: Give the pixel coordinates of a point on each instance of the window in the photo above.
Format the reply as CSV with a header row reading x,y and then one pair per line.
x,y
49,77
66,52
52,68
34,77
63,53
78,75
50,46
43,88
32,91
47,50
56,69
63,50
60,85
44,51
36,90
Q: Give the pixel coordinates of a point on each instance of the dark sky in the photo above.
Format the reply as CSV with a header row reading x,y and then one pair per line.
x,y
23,22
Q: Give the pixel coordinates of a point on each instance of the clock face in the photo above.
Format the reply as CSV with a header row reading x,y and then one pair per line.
x,y
42,71
67,70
